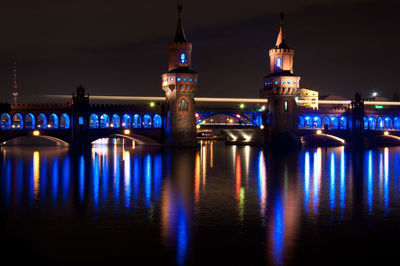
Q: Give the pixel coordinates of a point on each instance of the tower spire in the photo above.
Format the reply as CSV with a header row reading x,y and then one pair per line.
x,y
281,40
180,36
14,83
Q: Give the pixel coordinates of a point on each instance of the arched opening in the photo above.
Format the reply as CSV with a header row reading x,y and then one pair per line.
x,y
183,105
365,123
104,121
41,121
53,121
396,123
327,122
147,121
381,124
183,58
301,122
334,122
126,121
343,123
29,121
115,121
5,121
94,121
371,123
17,122
307,122
157,121
388,123
137,121
317,122
64,121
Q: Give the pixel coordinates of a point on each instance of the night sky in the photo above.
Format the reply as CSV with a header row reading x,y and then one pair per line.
x,y
120,47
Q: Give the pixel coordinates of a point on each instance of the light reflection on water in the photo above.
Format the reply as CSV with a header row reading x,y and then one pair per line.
x,y
180,202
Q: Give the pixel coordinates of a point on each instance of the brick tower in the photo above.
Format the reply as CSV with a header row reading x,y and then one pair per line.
x,y
179,85
281,87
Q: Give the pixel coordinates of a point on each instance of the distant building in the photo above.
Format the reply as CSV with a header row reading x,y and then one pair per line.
x,y
310,96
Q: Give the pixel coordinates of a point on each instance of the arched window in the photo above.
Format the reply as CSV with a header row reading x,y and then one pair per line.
x,y
29,121
183,58
334,122
397,123
126,121
278,62
327,122
372,123
157,121
307,122
53,121
381,124
5,121
17,122
388,123
115,121
317,123
41,121
147,121
137,121
183,105
64,121
343,123
94,121
104,121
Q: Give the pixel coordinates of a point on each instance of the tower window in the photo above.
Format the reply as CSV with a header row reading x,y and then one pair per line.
x,y
286,106
278,62
183,105
183,58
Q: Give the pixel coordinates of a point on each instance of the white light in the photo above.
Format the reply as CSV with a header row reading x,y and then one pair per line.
x,y
127,132
374,94
262,127
36,133
386,133
319,132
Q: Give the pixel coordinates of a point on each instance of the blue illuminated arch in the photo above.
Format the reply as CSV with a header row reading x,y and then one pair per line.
x,y
104,121
17,122
41,121
307,122
317,121
126,121
334,122
278,62
381,124
157,121
53,121
183,58
388,123
115,121
5,121
371,123
327,122
301,122
29,121
343,122
65,121
147,121
365,123
94,121
137,121
396,123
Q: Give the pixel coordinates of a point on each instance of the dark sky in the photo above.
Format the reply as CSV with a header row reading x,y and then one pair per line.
x,y
120,47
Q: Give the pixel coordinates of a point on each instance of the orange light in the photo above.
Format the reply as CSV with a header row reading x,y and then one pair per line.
x,y
262,127
197,126
127,132
319,132
386,133
36,133
196,115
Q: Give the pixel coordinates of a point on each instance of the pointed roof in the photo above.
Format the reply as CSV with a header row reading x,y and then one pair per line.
x,y
180,36
281,40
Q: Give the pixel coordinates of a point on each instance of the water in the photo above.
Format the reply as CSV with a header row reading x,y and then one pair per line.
x,y
217,205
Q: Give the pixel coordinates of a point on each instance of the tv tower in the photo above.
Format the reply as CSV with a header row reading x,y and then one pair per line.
x,y
14,83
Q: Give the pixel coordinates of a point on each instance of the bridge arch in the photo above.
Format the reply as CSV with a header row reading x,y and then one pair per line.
x,y
104,121
41,121
396,124
334,122
380,124
388,123
29,121
65,121
147,121
5,121
137,138
317,121
115,121
94,121
137,121
241,118
371,123
307,122
343,122
126,121
53,121
157,121
327,122
301,122
17,121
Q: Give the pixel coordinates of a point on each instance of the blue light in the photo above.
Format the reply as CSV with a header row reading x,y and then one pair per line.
x,y
332,190
342,181
81,120
171,79
185,79
265,83
306,180
370,182
278,62
283,82
81,178
147,180
276,82
195,80
183,58
65,178
190,80
178,79
54,181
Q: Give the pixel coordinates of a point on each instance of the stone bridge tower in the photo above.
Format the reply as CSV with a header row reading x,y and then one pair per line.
x,y
281,87
179,85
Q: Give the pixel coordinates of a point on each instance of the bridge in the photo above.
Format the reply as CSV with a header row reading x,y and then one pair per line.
x,y
277,118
